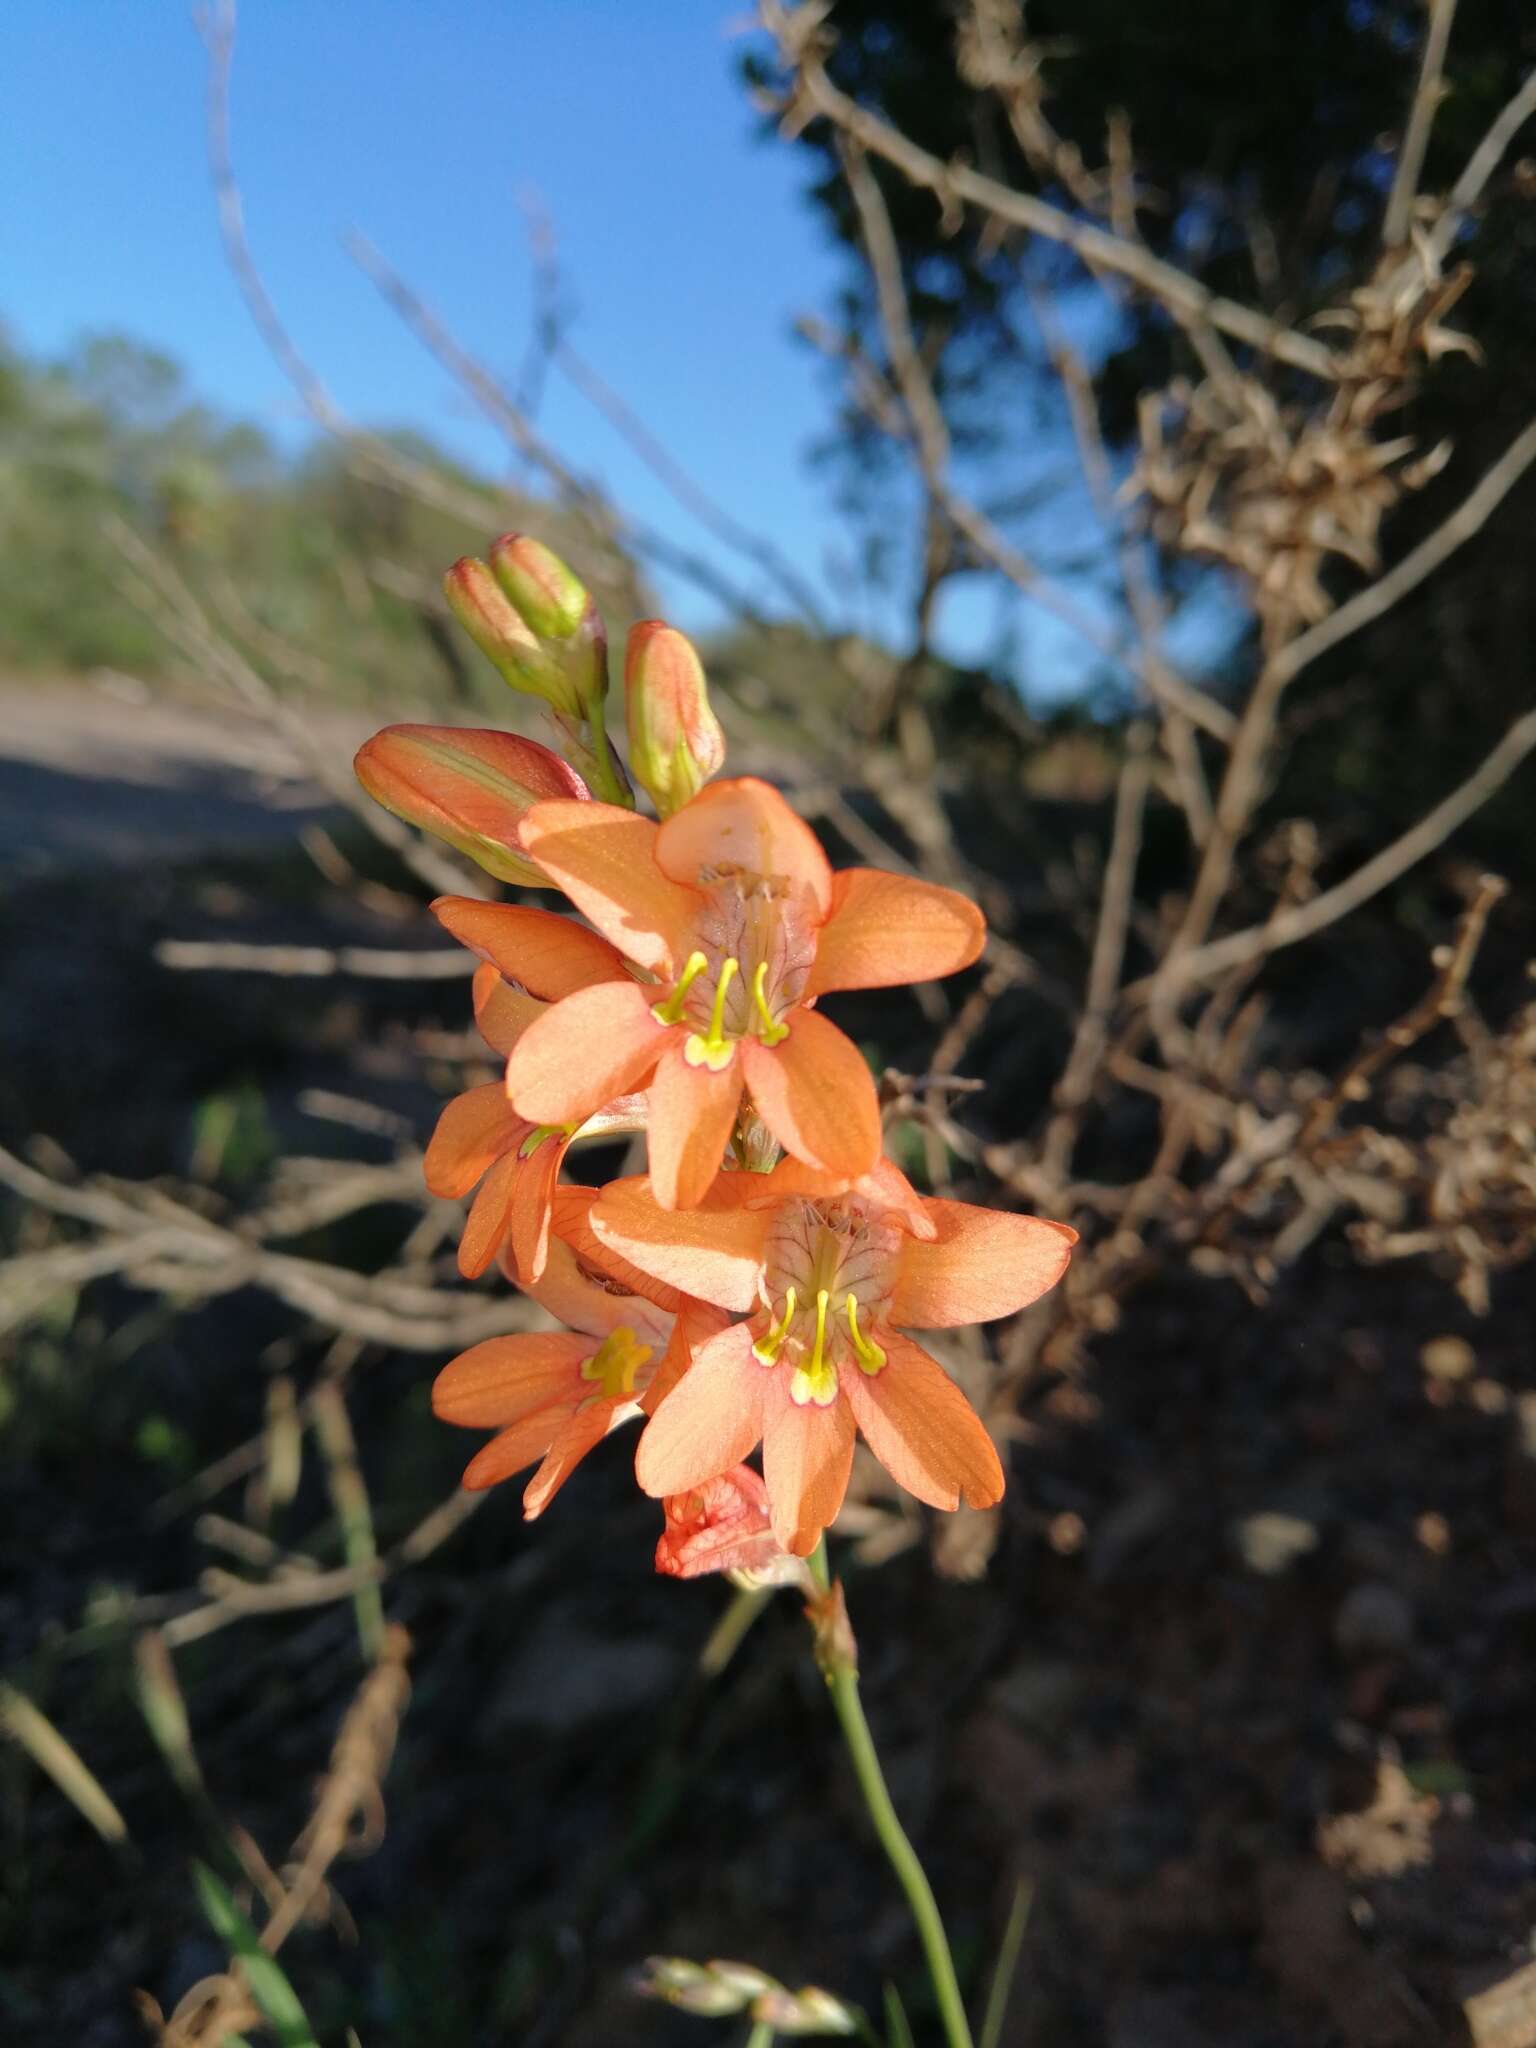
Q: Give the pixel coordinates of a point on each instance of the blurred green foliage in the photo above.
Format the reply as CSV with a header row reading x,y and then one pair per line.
x,y
300,547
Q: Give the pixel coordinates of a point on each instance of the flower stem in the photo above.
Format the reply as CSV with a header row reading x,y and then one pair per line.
x,y
843,1684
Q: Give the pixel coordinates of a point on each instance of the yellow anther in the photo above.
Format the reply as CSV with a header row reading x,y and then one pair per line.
x,y
713,1049
769,1030
865,1349
815,1380
671,1011
616,1363
766,1349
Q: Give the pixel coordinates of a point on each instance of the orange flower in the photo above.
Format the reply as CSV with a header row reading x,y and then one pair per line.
x,y
732,907
721,1526
552,1395
828,1270
479,1136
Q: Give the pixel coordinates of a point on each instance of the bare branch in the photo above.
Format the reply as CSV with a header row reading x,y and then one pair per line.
x,y
1428,94
795,30
1209,962
1379,597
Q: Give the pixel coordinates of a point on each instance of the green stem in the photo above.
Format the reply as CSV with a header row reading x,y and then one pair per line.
x,y
843,1684
761,2035
609,783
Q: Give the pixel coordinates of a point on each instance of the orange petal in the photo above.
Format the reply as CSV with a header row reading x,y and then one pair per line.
x,y
573,1440
807,1456
533,1195
816,1095
711,1419
604,858
472,788
885,1187
511,1451
746,824
696,1323
589,1300
886,930
692,1115
573,1223
507,1379
983,1263
922,1429
503,1013
490,1217
593,1045
549,955
473,1131
714,1251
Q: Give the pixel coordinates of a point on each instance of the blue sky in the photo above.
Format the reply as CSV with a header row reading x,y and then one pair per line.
x,y
685,244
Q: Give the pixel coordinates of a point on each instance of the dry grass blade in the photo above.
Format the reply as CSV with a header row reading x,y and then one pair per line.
x,y
30,1728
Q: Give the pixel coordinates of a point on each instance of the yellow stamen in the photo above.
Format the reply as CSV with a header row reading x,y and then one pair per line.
x,y
671,1011
766,1349
713,1049
865,1349
616,1362
769,1031
816,1379
538,1134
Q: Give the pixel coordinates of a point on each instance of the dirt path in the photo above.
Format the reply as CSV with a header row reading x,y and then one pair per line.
x,y
102,772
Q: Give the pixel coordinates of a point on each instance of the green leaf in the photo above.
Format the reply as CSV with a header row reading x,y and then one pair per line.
x,y
898,2028
269,1986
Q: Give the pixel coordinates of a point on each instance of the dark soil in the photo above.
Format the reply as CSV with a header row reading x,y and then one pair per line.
x,y
1247,1695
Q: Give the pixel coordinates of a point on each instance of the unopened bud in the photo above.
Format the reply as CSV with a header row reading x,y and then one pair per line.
x,y
693,1987
675,741
482,608
551,598
471,788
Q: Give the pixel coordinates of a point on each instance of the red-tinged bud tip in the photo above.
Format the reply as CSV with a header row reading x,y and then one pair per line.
x,y
552,600
471,788
675,741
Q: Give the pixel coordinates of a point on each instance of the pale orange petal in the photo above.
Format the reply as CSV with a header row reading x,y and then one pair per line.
x,y
714,1251
887,930
807,1456
743,823
817,1096
588,1300
502,1013
573,1223
511,1451
474,1130
983,1263
596,1044
587,1427
506,1379
547,954
711,1419
490,1217
922,1429
696,1323
533,1195
604,858
692,1115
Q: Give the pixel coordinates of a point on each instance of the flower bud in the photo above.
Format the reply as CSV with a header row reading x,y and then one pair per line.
x,y
693,1987
553,604
675,741
493,623
471,788
551,599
